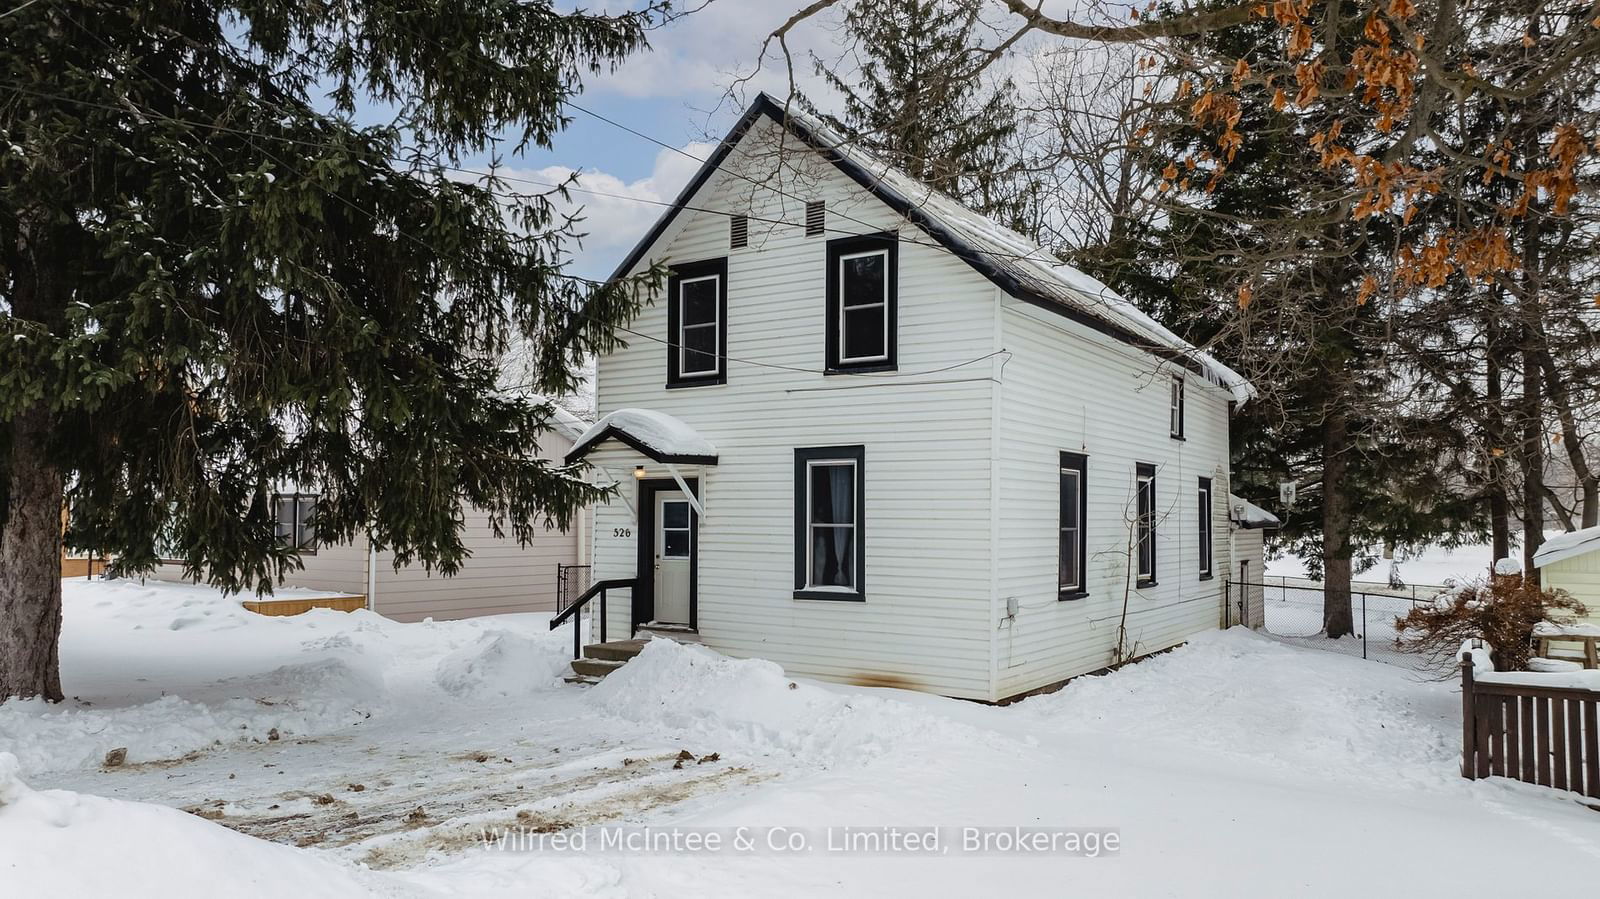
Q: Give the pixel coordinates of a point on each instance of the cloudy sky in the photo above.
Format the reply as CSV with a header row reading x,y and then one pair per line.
x,y
678,94
674,93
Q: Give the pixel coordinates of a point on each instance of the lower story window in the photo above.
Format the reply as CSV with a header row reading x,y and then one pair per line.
x,y
297,521
1074,502
830,544
1145,479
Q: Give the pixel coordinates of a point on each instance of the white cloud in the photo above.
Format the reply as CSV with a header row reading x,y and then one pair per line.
x,y
704,52
616,213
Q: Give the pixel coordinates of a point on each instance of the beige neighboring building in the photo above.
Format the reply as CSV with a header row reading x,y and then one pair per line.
x,y
1248,526
499,577
1571,562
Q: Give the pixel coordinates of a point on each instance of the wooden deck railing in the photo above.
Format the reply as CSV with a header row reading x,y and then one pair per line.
x,y
1544,735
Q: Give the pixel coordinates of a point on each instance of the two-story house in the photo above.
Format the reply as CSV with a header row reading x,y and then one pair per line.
x,y
873,436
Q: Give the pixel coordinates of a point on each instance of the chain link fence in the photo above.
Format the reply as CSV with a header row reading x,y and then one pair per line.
x,y
1292,612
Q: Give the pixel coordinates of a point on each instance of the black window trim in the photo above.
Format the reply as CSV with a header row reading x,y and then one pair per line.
x,y
692,271
1143,471
885,241
1078,463
804,457
1175,409
1205,497
297,537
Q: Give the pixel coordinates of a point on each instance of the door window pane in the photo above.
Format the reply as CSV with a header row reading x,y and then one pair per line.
x,y
675,514
676,544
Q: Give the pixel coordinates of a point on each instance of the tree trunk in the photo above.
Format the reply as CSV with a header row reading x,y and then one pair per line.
x,y
1559,391
1494,429
1532,454
1337,619
30,534
30,565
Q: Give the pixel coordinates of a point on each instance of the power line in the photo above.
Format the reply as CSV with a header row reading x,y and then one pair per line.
x,y
18,8
436,251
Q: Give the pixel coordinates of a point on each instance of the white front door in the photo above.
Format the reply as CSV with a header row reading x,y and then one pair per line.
x,y
674,553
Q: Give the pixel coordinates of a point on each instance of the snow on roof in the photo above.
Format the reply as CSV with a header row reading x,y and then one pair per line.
x,y
567,424
1565,546
656,434
1248,515
1035,269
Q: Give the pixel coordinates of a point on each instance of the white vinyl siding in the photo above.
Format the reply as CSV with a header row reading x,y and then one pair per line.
x,y
964,490
1070,388
926,617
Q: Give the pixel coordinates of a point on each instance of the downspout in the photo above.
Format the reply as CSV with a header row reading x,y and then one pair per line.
x,y
372,575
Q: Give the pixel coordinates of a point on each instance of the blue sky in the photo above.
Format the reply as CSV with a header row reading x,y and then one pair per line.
x,y
674,92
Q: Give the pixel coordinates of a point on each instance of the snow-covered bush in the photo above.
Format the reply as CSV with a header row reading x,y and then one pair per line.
x,y
1502,612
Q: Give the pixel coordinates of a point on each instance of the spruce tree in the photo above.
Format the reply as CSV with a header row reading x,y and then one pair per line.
x,y
213,284
1261,264
918,98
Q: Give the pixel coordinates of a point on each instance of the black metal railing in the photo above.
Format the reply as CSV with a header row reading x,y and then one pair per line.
x,y
598,588
571,580
1293,613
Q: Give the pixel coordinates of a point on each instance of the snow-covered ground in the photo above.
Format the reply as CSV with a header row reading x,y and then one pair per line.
x,y
1431,566
1232,766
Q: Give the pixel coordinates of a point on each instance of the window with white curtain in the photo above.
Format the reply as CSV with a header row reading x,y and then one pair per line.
x,y
829,538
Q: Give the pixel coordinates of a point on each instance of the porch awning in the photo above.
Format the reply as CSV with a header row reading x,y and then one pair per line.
x,y
657,435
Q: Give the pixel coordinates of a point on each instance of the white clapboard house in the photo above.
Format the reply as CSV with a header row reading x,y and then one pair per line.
x,y
875,437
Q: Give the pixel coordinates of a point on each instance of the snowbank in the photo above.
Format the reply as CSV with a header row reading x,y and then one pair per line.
x,y
293,700
1240,694
753,705
505,663
60,843
163,670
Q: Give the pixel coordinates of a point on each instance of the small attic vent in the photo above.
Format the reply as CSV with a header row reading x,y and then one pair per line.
x,y
739,232
814,218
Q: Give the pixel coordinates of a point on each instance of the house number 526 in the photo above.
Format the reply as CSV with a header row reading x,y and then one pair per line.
x,y
622,532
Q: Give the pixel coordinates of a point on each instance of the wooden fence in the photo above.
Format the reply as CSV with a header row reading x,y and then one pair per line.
x,y
1536,734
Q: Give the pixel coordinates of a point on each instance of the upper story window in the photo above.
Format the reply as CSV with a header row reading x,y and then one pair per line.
x,y
297,521
697,324
1072,540
1145,524
1177,406
1204,529
863,275
829,530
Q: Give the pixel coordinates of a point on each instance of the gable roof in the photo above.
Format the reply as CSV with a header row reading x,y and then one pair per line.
x,y
1015,264
657,435
1568,545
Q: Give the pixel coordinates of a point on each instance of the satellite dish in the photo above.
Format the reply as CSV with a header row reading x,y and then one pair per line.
x,y
1286,493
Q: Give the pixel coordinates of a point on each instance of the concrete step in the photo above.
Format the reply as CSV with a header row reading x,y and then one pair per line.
x,y
595,667
614,650
679,632
581,679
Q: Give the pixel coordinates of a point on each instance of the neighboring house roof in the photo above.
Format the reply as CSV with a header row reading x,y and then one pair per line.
x,y
568,425
1011,261
1565,546
1250,516
655,434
